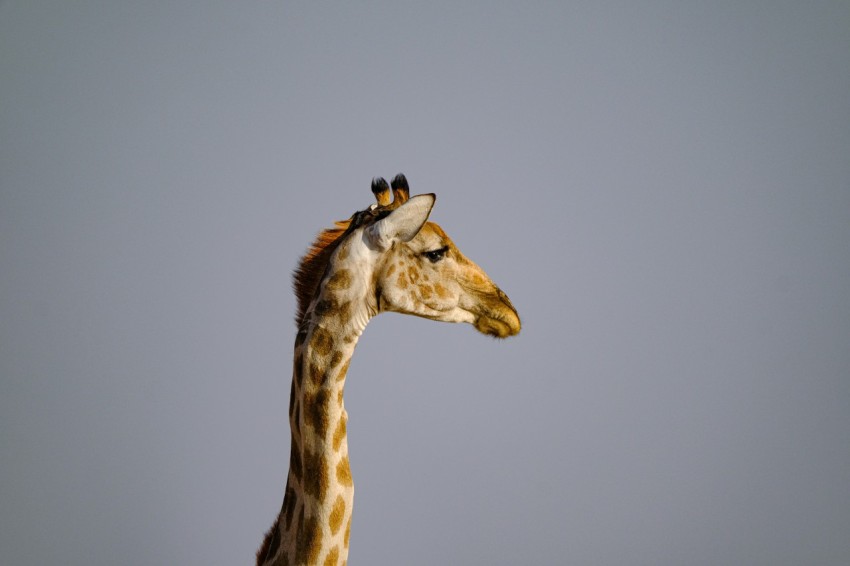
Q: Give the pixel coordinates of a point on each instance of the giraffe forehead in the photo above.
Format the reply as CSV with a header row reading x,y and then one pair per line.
x,y
434,230
431,236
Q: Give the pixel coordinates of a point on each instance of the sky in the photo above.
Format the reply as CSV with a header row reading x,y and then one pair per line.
x,y
662,189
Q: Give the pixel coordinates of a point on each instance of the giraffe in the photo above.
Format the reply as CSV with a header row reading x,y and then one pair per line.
x,y
388,257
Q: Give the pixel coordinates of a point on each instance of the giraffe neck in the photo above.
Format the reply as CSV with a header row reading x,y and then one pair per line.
x,y
314,523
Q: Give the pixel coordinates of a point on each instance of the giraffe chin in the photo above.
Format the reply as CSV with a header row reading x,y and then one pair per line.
x,y
497,328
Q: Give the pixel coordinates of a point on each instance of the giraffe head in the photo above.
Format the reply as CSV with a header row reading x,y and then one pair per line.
x,y
403,263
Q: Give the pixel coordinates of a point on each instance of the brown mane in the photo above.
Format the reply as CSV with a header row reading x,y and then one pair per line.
x,y
311,268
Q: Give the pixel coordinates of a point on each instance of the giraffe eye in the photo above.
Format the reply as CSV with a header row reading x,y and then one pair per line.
x,y
436,255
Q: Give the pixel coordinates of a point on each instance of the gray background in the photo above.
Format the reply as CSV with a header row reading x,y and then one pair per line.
x,y
663,189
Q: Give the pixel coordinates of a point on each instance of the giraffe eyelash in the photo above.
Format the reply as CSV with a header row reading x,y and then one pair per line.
x,y
436,255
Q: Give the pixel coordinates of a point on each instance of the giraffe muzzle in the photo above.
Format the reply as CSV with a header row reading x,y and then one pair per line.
x,y
499,318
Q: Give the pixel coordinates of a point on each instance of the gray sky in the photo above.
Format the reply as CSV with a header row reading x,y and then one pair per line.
x,y
662,188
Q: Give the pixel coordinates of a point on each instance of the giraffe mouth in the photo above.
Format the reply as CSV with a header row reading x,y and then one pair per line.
x,y
495,328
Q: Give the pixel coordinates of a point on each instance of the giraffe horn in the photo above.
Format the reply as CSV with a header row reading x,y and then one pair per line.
x,y
401,190
381,190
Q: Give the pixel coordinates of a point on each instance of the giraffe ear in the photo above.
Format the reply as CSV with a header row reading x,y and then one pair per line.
x,y
403,223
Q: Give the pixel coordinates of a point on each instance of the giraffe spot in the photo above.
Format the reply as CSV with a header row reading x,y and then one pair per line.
x,y
339,398
299,528
296,372
339,433
340,280
295,423
347,533
342,254
315,374
322,342
326,305
337,515
343,371
295,460
412,274
309,542
425,291
315,547
441,291
343,472
316,411
402,281
290,499
316,478
336,359
391,270
333,557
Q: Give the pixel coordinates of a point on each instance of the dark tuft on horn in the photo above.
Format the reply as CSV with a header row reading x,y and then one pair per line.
x,y
381,190
400,182
401,190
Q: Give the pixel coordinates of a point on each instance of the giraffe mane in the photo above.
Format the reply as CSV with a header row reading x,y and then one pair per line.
x,y
311,268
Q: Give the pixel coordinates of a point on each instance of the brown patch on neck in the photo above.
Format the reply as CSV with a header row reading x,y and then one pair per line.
x,y
347,532
309,542
333,557
337,515
316,476
343,472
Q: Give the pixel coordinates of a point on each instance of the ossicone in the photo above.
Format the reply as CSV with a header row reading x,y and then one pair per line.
x,y
381,190
401,190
